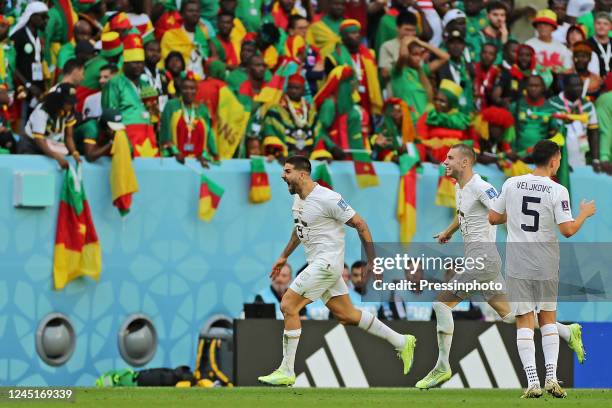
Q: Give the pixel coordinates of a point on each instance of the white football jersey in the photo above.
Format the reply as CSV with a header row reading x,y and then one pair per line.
x,y
319,224
534,206
473,203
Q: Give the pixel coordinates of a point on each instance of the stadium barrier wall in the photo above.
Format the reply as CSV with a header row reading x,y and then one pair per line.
x,y
484,355
163,262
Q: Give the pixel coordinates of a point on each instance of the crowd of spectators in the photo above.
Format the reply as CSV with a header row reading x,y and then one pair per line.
x,y
322,78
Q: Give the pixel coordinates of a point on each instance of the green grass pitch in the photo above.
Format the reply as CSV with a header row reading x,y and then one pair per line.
x,y
319,398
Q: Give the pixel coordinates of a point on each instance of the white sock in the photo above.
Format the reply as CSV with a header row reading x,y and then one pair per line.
x,y
564,331
526,349
291,339
372,325
550,346
445,327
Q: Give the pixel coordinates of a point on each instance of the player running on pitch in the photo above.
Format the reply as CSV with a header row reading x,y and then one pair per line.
x,y
319,215
474,197
531,205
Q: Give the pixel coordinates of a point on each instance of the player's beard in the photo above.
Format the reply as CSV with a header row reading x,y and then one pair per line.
x,y
291,188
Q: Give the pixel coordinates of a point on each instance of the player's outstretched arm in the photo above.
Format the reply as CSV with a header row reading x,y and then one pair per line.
x,y
496,218
364,234
587,209
282,259
445,236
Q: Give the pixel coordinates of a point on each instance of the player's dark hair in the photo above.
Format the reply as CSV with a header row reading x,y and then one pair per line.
x,y
72,65
543,151
300,163
466,151
406,18
293,19
113,68
358,264
497,5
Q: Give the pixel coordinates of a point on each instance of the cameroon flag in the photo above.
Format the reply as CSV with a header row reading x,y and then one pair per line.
x,y
260,185
231,124
77,250
364,170
445,195
210,195
322,176
273,91
122,176
406,197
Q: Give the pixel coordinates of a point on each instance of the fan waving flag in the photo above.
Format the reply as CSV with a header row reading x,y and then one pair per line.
x,y
445,195
364,170
77,249
231,124
406,197
122,176
260,185
322,176
210,195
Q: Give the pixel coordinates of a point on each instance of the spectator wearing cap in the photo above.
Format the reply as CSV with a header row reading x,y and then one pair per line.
x,y
29,54
351,52
186,131
496,32
409,77
112,47
549,53
581,125
222,45
485,76
325,33
82,32
191,39
92,107
389,26
601,43
581,56
123,92
445,125
49,130
288,127
95,136
458,70
588,19
575,34
119,23
389,50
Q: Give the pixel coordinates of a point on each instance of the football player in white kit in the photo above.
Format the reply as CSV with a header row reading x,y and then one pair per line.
x,y
474,197
319,215
533,206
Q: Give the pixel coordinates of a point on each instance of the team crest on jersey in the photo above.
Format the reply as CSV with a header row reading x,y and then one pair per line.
x,y
491,193
565,205
342,204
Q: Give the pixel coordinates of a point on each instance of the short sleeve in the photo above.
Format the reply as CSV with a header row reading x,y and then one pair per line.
x,y
38,123
562,209
486,194
339,209
499,204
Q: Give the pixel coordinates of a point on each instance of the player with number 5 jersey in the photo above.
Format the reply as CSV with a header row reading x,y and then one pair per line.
x,y
534,206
